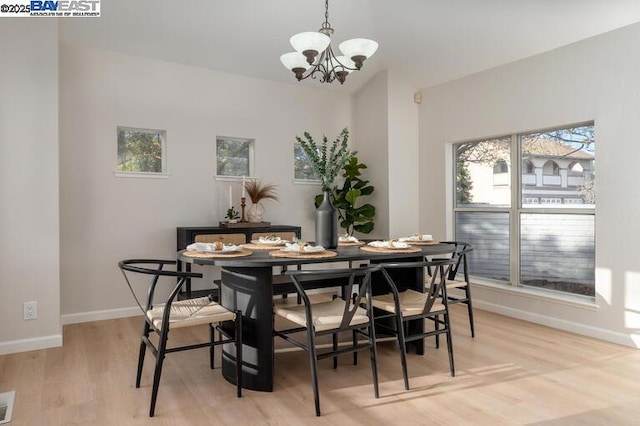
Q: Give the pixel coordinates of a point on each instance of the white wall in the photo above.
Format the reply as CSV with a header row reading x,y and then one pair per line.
x,y
596,79
403,159
105,218
29,227
372,127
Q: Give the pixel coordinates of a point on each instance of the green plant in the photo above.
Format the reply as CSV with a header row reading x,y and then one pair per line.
x,y
232,214
327,160
352,218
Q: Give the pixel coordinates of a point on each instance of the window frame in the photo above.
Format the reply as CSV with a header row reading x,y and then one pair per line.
x,y
250,159
516,210
144,174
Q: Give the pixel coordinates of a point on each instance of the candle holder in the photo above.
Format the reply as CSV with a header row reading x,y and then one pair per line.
x,y
243,203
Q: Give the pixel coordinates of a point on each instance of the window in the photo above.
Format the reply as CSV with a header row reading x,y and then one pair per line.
x,y
234,156
500,167
141,150
303,168
550,232
482,214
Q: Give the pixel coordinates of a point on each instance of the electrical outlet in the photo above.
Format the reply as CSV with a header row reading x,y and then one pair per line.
x,y
30,310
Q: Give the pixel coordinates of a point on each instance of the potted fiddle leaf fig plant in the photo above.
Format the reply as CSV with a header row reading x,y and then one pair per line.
x,y
327,160
353,217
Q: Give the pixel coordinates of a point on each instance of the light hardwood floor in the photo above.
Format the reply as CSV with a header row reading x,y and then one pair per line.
x,y
512,373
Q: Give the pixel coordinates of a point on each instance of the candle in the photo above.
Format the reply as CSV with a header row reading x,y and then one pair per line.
x,y
230,197
243,186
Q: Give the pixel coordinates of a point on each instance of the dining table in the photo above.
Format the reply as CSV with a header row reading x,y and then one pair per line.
x,y
250,280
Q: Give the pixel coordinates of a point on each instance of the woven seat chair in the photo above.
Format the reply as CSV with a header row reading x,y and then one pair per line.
x,y
331,318
161,317
458,278
410,305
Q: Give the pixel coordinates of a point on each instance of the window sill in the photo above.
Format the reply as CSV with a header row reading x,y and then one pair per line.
x,y
142,175
576,301
306,182
233,178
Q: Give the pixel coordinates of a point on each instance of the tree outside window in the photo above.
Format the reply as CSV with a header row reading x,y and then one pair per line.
x,y
233,156
141,150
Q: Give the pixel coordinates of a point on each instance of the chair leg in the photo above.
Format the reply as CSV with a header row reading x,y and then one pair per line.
x,y
313,359
334,341
162,346
449,344
143,349
470,310
239,353
403,351
374,361
212,351
355,343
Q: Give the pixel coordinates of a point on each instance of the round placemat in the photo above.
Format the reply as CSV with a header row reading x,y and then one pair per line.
x,y
262,246
386,250
303,255
216,255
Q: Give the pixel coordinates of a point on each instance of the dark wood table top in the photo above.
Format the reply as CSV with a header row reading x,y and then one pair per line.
x,y
261,258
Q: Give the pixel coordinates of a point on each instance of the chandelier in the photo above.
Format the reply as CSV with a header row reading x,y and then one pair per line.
x,y
328,66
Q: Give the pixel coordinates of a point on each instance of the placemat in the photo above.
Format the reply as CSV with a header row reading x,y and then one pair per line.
x,y
386,250
262,246
216,255
423,242
303,255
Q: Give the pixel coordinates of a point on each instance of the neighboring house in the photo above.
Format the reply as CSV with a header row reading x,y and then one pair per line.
x,y
553,173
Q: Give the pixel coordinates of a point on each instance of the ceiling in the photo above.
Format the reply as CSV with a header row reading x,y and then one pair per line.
x,y
428,41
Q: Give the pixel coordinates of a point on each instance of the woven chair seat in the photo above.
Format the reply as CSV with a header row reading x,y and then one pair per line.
x,y
326,315
191,312
411,303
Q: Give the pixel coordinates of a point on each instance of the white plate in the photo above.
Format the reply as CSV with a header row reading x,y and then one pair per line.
x,y
270,242
211,248
385,245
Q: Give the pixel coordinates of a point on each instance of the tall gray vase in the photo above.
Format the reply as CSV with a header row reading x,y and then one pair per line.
x,y
327,223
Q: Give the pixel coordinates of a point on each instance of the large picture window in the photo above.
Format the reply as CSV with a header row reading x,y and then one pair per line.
x,y
546,239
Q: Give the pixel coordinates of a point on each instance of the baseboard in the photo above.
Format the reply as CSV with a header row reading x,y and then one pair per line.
x,y
632,340
100,315
26,345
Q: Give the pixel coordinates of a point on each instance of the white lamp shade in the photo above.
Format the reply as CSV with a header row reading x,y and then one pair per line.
x,y
358,47
293,60
310,40
347,62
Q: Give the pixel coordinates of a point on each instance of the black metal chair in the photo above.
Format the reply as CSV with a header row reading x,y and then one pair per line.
x,y
460,269
411,305
331,318
160,317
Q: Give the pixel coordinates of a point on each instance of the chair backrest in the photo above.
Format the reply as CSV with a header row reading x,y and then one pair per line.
x,y
459,254
345,277
155,269
440,268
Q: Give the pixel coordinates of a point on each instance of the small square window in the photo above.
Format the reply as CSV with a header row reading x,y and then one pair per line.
x,y
141,150
233,156
303,168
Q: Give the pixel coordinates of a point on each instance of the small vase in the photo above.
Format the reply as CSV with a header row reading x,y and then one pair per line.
x,y
255,213
327,223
